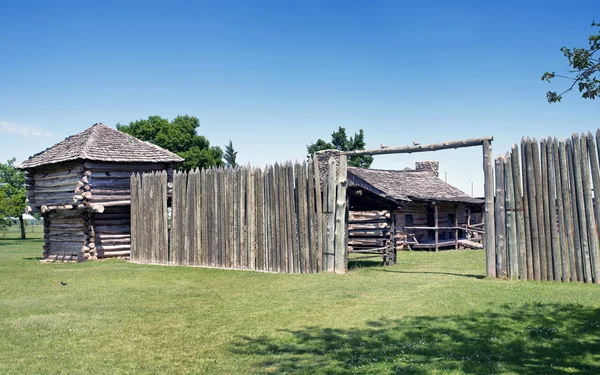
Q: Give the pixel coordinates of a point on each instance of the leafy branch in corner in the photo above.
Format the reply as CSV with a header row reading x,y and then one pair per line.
x,y
584,69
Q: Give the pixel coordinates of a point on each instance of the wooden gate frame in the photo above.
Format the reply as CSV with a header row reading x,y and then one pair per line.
x,y
488,186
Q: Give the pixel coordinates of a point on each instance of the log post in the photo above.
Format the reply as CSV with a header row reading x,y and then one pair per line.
x,y
490,235
341,247
456,225
436,222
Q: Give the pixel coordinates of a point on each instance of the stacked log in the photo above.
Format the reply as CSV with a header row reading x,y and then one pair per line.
x,y
86,207
107,184
368,229
112,232
82,191
51,187
89,248
63,236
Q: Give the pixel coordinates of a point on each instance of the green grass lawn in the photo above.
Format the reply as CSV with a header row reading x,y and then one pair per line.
x,y
430,314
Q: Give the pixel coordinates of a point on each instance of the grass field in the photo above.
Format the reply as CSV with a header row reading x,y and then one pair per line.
x,y
430,314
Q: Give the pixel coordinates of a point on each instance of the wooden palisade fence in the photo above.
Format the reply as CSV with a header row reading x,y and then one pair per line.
x,y
281,219
545,215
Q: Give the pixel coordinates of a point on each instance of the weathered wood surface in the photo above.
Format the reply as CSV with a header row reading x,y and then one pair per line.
x,y
422,148
511,220
519,213
576,261
500,220
488,186
552,225
239,218
545,205
584,253
546,219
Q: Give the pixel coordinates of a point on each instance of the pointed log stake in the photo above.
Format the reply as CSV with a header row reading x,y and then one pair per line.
x,y
564,201
589,209
519,214
596,180
539,202
546,207
533,212
526,218
553,210
575,256
511,220
500,220
581,212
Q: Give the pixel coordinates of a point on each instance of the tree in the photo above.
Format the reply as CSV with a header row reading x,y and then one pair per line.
x,y
584,70
230,155
12,195
178,136
340,141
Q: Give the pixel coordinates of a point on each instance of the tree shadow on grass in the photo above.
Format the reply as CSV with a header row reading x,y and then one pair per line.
x,y
530,339
33,258
364,263
433,273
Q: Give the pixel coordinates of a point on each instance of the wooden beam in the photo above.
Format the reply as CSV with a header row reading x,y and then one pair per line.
x,y
421,148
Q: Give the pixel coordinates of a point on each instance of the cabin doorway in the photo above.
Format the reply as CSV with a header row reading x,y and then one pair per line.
x,y
430,223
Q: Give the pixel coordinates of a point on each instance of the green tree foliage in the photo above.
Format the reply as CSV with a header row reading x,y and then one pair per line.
x,y
340,141
12,195
178,136
584,70
230,155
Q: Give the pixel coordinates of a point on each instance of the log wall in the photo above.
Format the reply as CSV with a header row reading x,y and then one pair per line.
x,y
448,215
64,236
77,185
547,224
281,219
86,207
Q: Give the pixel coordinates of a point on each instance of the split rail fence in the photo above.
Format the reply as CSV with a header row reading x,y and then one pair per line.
x,y
545,214
281,219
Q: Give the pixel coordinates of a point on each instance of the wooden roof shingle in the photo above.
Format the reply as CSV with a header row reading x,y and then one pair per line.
x,y
408,185
404,185
101,143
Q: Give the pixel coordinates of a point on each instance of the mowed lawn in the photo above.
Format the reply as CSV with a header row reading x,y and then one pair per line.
x,y
430,314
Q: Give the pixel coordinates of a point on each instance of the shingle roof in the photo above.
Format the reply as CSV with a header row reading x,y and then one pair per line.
x,y
405,185
101,143
408,185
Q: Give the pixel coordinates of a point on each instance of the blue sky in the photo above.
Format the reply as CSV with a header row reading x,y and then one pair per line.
x,y
275,76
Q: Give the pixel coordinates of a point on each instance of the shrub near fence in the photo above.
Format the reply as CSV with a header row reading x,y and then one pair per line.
x,y
546,219
282,219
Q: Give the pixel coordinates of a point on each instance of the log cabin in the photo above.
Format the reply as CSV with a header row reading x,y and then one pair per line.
x,y
81,187
407,209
